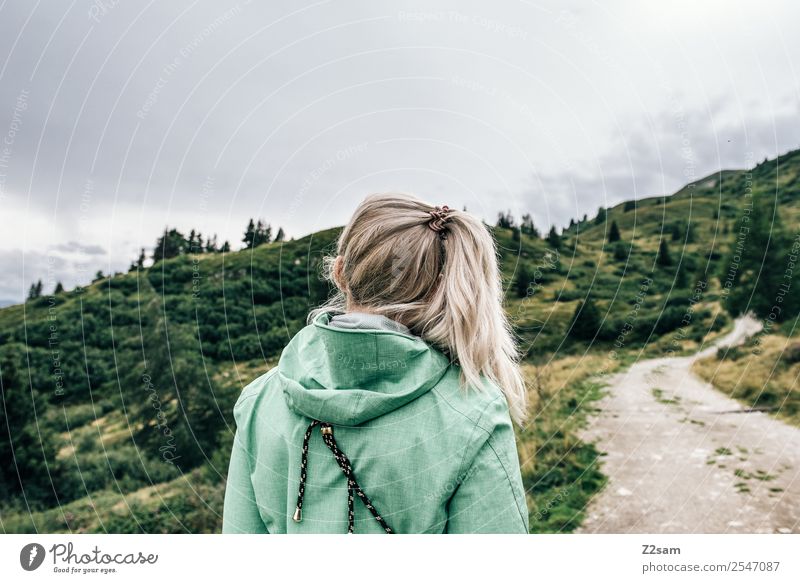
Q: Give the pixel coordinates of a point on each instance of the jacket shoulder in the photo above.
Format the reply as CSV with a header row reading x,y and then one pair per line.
x,y
485,408
488,434
252,392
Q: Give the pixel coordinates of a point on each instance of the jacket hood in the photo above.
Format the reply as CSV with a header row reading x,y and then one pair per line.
x,y
350,376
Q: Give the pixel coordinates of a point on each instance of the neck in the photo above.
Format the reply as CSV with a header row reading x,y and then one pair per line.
x,y
352,307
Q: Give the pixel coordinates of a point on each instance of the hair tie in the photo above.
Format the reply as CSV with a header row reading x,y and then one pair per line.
x,y
438,221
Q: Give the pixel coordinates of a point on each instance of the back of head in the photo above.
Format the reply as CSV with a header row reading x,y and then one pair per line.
x,y
434,270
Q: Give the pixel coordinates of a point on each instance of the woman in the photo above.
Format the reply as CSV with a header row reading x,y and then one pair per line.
x,y
391,411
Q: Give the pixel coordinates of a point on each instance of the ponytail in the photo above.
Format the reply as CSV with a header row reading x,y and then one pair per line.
x,y
441,279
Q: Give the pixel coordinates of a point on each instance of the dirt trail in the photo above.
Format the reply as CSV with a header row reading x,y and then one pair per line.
x,y
684,458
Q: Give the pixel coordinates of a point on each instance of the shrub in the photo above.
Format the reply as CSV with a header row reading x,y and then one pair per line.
x,y
792,353
586,321
719,322
729,352
621,251
613,233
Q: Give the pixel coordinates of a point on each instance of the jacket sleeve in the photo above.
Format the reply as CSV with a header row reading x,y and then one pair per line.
x,y
240,513
490,497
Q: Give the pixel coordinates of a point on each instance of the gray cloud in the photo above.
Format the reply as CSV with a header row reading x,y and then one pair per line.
x,y
678,148
75,247
201,114
20,270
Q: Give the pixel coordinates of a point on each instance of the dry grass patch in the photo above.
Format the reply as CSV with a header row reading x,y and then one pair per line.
x,y
762,374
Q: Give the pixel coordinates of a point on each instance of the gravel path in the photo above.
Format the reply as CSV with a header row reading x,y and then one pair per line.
x,y
684,458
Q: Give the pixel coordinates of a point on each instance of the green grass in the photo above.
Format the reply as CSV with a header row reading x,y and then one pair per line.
x,y
659,396
560,471
189,504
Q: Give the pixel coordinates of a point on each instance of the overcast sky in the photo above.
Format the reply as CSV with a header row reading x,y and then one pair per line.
x,y
118,117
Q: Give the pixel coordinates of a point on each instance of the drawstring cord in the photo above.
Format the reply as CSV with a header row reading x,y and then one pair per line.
x,y
353,489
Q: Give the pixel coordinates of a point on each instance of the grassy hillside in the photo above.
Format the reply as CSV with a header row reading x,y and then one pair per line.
x,y
118,395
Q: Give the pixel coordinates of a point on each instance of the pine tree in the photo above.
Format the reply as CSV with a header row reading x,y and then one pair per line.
x,y
139,263
59,288
522,280
32,292
682,278
527,226
226,247
280,236
249,235
689,233
211,244
39,288
682,232
263,233
586,321
601,216
663,258
613,233
171,244
553,238
505,220
621,251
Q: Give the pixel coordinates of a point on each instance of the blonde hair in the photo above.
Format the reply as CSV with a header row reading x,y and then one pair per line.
x,y
446,290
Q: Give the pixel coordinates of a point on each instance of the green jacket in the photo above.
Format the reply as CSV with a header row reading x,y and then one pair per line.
x,y
432,457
